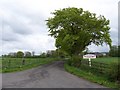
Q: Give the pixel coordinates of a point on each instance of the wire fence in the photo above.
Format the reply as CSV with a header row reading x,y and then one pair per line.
x,y
10,63
96,67
110,71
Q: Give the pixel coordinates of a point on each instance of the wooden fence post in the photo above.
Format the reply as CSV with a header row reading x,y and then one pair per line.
x,y
9,62
90,62
101,70
23,62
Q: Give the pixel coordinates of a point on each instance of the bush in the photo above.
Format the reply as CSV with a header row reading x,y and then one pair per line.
x,y
113,72
75,61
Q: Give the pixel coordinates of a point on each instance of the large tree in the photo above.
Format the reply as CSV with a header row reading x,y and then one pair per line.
x,y
27,54
74,29
20,54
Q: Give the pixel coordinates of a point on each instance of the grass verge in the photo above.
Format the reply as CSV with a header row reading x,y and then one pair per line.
x,y
91,77
42,61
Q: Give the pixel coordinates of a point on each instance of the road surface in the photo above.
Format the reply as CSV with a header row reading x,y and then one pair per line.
x,y
47,76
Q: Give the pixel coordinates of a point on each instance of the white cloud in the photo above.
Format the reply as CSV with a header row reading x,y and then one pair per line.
x,y
35,43
95,48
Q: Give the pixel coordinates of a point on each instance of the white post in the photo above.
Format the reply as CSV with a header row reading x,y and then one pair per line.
x,y
89,62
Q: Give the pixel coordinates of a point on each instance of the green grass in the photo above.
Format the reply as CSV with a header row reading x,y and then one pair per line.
x,y
91,77
16,63
106,63
107,60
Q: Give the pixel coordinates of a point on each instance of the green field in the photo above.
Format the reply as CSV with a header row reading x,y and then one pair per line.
x,y
16,64
107,60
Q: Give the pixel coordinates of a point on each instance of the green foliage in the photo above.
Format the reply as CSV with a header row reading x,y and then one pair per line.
x,y
114,72
51,53
119,51
43,55
114,51
20,54
27,54
75,61
61,53
74,29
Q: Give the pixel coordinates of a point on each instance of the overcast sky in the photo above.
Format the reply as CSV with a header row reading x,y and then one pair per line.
x,y
23,26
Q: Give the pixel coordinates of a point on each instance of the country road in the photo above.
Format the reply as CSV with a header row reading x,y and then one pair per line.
x,y
47,76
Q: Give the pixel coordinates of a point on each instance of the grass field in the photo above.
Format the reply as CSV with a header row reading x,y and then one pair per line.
x,y
107,60
16,64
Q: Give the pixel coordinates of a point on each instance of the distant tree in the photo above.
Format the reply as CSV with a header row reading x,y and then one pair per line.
x,y
27,54
114,51
12,54
51,53
61,53
48,54
119,51
74,29
20,54
43,55
33,53
4,55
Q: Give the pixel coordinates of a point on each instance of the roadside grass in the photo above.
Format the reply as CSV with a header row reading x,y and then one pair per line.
x,y
16,63
91,77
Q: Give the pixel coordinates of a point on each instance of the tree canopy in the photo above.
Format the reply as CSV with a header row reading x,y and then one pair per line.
x,y
20,54
115,51
27,54
74,29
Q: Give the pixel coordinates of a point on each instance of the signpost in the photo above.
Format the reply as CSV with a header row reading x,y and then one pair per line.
x,y
89,56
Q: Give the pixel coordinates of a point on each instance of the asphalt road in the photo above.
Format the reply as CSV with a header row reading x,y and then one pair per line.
x,y
47,76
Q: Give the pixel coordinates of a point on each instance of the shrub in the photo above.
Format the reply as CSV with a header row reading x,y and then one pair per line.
x,y
75,61
113,72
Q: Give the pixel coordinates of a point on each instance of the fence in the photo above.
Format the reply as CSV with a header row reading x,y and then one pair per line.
x,y
10,63
96,67
111,71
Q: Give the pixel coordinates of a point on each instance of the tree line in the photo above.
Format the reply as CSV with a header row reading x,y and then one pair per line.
x,y
115,51
19,54
28,54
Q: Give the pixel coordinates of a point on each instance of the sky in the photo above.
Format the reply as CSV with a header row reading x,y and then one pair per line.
x,y
23,26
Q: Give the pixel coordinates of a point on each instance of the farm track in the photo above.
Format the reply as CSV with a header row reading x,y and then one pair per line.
x,y
47,76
